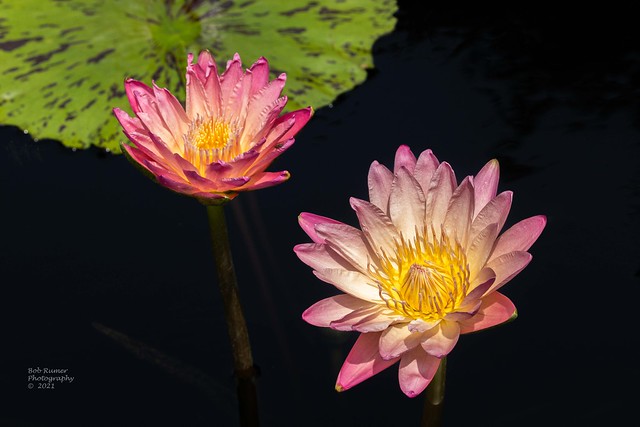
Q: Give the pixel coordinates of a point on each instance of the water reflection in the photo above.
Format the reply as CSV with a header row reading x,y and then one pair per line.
x,y
531,60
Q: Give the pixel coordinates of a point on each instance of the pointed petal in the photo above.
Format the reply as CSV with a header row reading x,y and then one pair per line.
x,y
363,362
439,194
131,87
442,339
196,99
495,309
375,318
376,226
264,180
211,82
484,280
268,155
333,308
481,247
172,112
379,179
178,186
507,266
320,257
457,220
520,236
406,204
486,184
347,241
299,117
417,369
350,282
398,339
495,212
230,77
404,158
260,75
425,167
308,222
421,325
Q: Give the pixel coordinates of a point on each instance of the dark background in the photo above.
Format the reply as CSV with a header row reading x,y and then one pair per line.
x,y
111,276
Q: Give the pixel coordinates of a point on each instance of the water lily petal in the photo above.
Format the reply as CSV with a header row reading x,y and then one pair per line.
x,y
259,76
172,112
508,266
406,204
350,282
398,339
404,158
308,222
264,99
230,77
442,339
520,236
481,247
380,179
439,194
363,362
235,107
494,212
132,88
264,180
347,241
459,212
333,308
484,281
485,184
425,167
416,371
374,318
213,93
421,325
178,186
376,225
495,309
196,105
266,155
299,117
320,257
152,120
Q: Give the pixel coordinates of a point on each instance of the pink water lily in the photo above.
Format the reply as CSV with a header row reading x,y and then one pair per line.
x,y
221,144
424,267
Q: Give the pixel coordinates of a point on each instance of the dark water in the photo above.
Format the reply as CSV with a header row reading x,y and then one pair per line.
x,y
553,94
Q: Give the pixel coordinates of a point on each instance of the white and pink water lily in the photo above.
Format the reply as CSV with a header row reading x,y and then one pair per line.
x,y
425,266
222,143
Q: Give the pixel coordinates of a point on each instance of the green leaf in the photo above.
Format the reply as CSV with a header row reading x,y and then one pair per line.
x,y
63,63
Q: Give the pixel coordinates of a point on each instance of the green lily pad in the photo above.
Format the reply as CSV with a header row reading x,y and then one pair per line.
x,y
63,63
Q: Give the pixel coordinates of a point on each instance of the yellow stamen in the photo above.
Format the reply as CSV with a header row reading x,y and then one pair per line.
x,y
209,140
212,135
426,278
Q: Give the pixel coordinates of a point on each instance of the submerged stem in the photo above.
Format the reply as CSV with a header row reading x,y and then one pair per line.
x,y
434,401
236,324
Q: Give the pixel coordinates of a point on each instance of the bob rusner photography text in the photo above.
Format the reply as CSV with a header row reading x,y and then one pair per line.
x,y
47,378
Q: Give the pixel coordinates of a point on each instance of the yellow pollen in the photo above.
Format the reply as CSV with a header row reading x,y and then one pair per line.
x,y
209,140
212,135
425,278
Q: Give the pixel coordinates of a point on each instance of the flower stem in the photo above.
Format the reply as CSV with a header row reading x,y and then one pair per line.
x,y
434,401
236,325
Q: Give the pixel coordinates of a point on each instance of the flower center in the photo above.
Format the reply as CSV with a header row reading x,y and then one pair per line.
x,y
426,278
212,135
210,140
